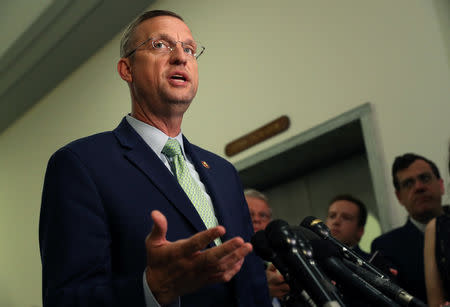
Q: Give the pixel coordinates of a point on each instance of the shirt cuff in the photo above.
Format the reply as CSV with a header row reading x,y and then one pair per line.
x,y
150,300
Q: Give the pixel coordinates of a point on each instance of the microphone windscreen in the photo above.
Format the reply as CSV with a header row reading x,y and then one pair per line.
x,y
277,233
275,226
305,233
261,246
307,221
324,249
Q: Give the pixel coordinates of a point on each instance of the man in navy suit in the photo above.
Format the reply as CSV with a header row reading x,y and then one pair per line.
x,y
419,188
346,218
98,245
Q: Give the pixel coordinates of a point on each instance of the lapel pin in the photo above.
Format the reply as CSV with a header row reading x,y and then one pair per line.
x,y
205,164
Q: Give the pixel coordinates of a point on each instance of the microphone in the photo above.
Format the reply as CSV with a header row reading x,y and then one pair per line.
x,y
386,286
319,227
328,256
262,248
364,269
296,253
306,233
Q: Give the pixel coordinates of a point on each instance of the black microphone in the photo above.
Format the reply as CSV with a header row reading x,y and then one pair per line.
x,y
386,286
306,233
296,253
328,256
262,248
319,227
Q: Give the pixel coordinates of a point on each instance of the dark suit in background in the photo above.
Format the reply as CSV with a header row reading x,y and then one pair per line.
x,y
360,252
98,195
403,249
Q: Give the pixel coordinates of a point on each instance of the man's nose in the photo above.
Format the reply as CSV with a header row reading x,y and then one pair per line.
x,y
419,186
336,222
177,55
256,218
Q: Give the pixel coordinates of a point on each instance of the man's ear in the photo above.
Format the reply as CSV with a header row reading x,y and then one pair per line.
x,y
124,69
441,186
397,194
360,232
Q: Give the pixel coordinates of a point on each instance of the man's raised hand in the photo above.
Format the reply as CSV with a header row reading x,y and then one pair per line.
x,y
184,266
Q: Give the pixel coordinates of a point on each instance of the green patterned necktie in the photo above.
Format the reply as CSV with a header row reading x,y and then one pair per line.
x,y
172,150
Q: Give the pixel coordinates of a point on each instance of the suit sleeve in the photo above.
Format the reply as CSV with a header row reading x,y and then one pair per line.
x,y
75,241
260,290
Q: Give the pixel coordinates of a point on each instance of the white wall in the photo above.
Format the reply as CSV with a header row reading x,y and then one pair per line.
x,y
309,59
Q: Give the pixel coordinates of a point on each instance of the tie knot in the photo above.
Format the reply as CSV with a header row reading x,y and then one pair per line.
x,y
172,148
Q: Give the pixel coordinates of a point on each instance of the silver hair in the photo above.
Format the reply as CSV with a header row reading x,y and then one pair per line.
x,y
256,194
127,36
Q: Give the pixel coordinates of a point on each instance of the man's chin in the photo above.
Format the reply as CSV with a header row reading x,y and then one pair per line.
x,y
177,97
179,101
335,233
425,216
426,205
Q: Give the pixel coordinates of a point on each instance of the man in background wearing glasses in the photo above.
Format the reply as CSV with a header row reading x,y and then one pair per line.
x,y
419,188
261,215
99,246
260,211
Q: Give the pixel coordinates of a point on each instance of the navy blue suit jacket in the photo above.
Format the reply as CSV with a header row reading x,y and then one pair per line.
x,y
403,249
98,194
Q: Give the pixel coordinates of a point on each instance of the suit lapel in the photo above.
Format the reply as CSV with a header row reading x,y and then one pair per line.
x,y
144,158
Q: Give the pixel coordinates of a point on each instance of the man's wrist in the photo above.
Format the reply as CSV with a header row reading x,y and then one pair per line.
x,y
160,294
150,300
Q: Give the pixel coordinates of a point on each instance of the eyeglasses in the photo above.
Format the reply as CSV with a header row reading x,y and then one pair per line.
x,y
261,215
424,178
191,49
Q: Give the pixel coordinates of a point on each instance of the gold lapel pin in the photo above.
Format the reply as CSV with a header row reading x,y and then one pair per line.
x,y
205,164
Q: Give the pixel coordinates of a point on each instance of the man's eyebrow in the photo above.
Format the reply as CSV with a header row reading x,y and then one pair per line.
x,y
162,36
417,176
167,37
425,173
407,178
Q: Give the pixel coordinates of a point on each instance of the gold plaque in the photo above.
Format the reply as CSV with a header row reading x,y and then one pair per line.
x,y
257,136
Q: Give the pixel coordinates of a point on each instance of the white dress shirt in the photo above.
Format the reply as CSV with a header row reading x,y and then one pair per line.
x,y
418,224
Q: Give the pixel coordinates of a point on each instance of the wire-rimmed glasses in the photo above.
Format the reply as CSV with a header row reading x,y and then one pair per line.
x,y
162,45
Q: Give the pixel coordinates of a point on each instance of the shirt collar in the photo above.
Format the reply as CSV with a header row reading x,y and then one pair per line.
x,y
154,137
418,224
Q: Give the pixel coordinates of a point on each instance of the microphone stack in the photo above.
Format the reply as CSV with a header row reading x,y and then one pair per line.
x,y
321,271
